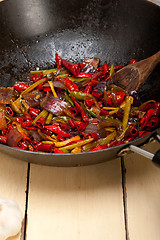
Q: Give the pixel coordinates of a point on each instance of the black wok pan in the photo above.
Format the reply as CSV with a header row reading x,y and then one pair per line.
x,y
112,30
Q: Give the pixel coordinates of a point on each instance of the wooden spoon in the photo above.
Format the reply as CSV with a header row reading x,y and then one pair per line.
x,y
133,76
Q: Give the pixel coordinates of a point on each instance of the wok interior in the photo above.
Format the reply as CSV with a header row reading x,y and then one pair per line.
x,y
114,31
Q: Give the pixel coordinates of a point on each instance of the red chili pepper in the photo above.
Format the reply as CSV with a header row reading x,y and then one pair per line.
x,y
133,132
3,139
9,111
96,122
36,77
73,111
57,130
99,147
80,110
81,126
34,112
72,123
84,75
153,123
20,86
71,85
44,147
10,127
19,120
46,131
60,138
23,145
89,102
56,150
133,61
103,112
120,97
93,135
40,122
128,140
74,68
156,109
88,89
65,127
28,125
146,118
143,133
58,61
47,89
117,67
97,93
27,117
105,68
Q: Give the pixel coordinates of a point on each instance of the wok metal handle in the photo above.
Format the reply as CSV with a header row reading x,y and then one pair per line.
x,y
154,157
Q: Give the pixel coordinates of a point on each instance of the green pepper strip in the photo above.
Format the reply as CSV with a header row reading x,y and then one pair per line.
x,y
78,79
100,141
78,95
45,72
112,71
127,109
91,113
64,118
68,99
44,114
78,144
49,118
34,85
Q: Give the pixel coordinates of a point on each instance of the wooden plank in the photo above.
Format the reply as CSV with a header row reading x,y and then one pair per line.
x,y
76,203
13,178
143,194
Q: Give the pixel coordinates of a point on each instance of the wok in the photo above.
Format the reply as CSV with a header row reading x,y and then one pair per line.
x,y
112,30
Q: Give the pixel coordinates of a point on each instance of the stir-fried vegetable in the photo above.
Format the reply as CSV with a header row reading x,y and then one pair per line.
x,y
72,108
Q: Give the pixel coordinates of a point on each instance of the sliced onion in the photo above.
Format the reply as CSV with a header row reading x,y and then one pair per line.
x,y
93,61
6,95
14,137
55,106
3,124
101,86
33,98
36,136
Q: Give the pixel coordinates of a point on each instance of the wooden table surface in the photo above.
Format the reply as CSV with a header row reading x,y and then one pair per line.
x,y
116,200
113,200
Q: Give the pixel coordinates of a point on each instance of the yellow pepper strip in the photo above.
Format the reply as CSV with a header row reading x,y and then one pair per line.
x,y
78,144
46,137
127,108
63,75
100,141
50,142
45,72
44,114
61,144
54,136
122,134
122,106
49,118
34,85
76,150
110,108
114,111
52,88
